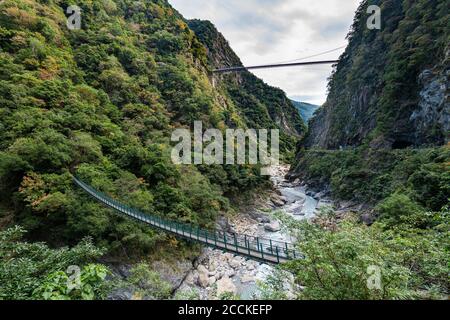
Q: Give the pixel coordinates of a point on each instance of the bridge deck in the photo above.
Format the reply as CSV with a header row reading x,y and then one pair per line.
x,y
264,250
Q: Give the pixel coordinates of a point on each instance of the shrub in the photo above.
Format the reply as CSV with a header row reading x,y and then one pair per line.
x,y
339,258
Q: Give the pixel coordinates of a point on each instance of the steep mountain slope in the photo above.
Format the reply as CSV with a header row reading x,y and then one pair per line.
x,y
387,115
379,147
390,87
102,102
261,105
306,109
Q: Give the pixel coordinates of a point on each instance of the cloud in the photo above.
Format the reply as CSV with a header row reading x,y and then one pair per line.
x,y
269,31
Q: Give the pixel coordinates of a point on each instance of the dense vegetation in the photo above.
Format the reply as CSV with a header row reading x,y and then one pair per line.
x,y
410,256
35,271
262,106
102,102
362,147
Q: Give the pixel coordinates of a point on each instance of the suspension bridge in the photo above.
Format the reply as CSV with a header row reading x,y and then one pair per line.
x,y
255,248
270,66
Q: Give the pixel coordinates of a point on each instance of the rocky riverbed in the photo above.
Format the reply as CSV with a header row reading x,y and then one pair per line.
x,y
216,272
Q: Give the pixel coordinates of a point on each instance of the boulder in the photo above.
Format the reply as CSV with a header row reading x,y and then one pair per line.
x,y
212,281
274,226
225,285
203,276
191,278
311,193
236,262
230,273
247,278
223,223
278,201
367,218
203,280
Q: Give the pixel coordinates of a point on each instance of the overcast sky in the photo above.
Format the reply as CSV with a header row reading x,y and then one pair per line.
x,y
271,31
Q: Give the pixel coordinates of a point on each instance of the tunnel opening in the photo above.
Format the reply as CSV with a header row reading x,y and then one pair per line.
x,y
401,144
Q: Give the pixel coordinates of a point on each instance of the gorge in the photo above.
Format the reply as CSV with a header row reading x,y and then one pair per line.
x,y
365,186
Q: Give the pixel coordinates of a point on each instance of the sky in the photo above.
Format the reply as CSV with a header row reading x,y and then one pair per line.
x,y
272,31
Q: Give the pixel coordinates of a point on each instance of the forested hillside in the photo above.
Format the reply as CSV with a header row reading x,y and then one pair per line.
x,y
380,148
306,110
263,106
388,102
390,87
102,102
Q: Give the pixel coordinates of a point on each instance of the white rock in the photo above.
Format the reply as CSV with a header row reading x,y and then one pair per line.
x,y
236,263
230,273
247,278
203,280
225,285
212,280
250,267
203,276
202,269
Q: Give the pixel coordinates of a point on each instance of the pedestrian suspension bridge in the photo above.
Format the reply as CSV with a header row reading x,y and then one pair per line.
x,y
271,66
260,249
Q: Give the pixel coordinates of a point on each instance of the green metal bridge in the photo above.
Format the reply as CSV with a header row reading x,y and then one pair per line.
x,y
260,249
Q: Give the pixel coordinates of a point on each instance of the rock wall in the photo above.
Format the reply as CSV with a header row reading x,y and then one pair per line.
x,y
390,87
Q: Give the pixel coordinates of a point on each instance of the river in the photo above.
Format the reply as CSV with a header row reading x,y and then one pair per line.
x,y
218,272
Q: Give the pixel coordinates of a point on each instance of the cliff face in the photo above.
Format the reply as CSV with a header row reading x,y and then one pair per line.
x,y
261,105
390,88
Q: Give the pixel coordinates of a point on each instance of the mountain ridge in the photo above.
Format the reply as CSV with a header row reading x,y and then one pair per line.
x,y
398,99
306,110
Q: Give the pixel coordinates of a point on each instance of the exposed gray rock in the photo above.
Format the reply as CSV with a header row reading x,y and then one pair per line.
x,y
259,216
274,226
278,201
203,276
367,218
434,106
173,273
223,223
122,294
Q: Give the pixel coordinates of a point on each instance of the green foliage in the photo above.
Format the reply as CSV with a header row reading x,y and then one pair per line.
x,y
102,102
399,209
58,285
413,263
33,270
273,288
187,295
149,282
229,296
373,175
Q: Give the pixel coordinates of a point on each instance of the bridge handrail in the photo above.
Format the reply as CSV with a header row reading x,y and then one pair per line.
x,y
228,241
